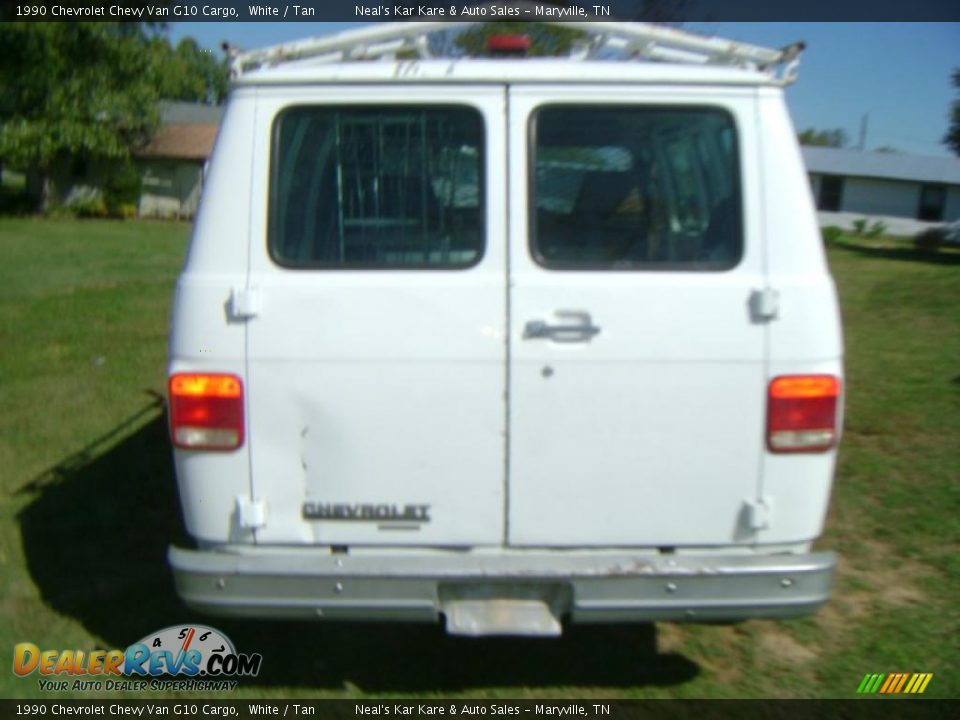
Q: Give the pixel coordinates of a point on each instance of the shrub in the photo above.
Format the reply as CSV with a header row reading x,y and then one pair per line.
x,y
87,207
128,211
859,226
122,187
876,230
831,234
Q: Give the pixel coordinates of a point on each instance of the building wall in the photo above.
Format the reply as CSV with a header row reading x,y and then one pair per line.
x,y
880,197
171,188
951,210
891,198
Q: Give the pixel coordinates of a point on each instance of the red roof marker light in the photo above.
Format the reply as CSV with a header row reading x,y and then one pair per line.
x,y
505,45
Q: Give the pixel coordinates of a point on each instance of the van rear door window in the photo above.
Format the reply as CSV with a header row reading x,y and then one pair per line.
x,y
637,187
377,187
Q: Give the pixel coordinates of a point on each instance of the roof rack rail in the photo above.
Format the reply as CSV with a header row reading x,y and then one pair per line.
x,y
633,40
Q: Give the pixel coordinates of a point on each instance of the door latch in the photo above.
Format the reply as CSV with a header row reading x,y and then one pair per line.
x,y
580,331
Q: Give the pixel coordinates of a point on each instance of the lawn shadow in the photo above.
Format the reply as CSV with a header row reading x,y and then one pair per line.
x,y
95,535
905,253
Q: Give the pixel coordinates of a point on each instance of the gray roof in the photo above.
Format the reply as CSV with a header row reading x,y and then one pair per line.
x,y
891,166
187,113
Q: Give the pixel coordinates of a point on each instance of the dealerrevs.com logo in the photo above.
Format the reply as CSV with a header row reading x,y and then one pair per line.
x,y
180,657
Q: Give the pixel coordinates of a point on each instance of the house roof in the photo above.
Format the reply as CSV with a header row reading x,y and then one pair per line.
x,y
186,132
890,166
181,142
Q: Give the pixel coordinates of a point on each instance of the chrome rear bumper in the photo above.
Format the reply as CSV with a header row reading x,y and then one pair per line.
x,y
509,593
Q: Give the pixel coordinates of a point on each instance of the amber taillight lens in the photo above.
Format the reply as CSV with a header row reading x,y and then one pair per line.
x,y
802,413
206,411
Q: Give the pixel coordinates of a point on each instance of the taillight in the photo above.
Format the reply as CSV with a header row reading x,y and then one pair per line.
x,y
802,413
206,411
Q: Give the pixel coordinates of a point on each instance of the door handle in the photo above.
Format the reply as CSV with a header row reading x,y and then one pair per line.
x,y
582,330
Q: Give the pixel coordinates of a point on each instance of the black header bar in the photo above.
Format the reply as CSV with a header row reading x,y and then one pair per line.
x,y
491,10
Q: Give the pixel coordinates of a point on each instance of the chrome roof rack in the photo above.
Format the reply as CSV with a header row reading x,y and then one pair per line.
x,y
630,40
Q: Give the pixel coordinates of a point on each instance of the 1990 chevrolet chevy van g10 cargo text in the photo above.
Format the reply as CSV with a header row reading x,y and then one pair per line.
x,y
506,341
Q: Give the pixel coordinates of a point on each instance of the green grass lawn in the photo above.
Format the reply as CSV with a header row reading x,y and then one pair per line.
x,y
88,504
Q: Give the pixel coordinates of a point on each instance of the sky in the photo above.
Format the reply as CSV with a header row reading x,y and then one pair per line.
x,y
896,75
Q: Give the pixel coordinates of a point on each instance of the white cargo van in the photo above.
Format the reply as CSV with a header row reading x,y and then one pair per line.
x,y
506,341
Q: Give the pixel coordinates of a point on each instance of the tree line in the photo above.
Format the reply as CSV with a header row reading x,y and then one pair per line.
x,y
79,91
90,90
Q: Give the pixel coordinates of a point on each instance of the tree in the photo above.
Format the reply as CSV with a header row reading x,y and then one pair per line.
x,y
73,91
188,72
952,138
836,138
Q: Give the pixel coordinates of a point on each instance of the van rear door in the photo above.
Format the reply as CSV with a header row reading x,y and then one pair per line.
x,y
376,360
637,369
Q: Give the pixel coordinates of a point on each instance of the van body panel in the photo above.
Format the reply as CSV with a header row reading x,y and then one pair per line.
x,y
377,396
806,335
808,323
203,336
614,438
221,229
797,486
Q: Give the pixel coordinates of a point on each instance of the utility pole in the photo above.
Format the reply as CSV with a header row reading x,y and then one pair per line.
x,y
863,132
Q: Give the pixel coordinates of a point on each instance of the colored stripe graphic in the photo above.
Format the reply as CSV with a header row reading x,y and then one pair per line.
x,y
901,679
894,683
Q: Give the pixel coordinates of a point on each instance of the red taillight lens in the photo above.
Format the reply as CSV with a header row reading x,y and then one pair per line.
x,y
802,413
206,411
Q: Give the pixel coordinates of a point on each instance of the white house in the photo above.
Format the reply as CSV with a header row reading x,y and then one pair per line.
x,y
172,163
890,186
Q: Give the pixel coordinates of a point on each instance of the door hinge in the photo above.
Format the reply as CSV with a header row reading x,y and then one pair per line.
x,y
765,304
759,512
251,514
244,303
